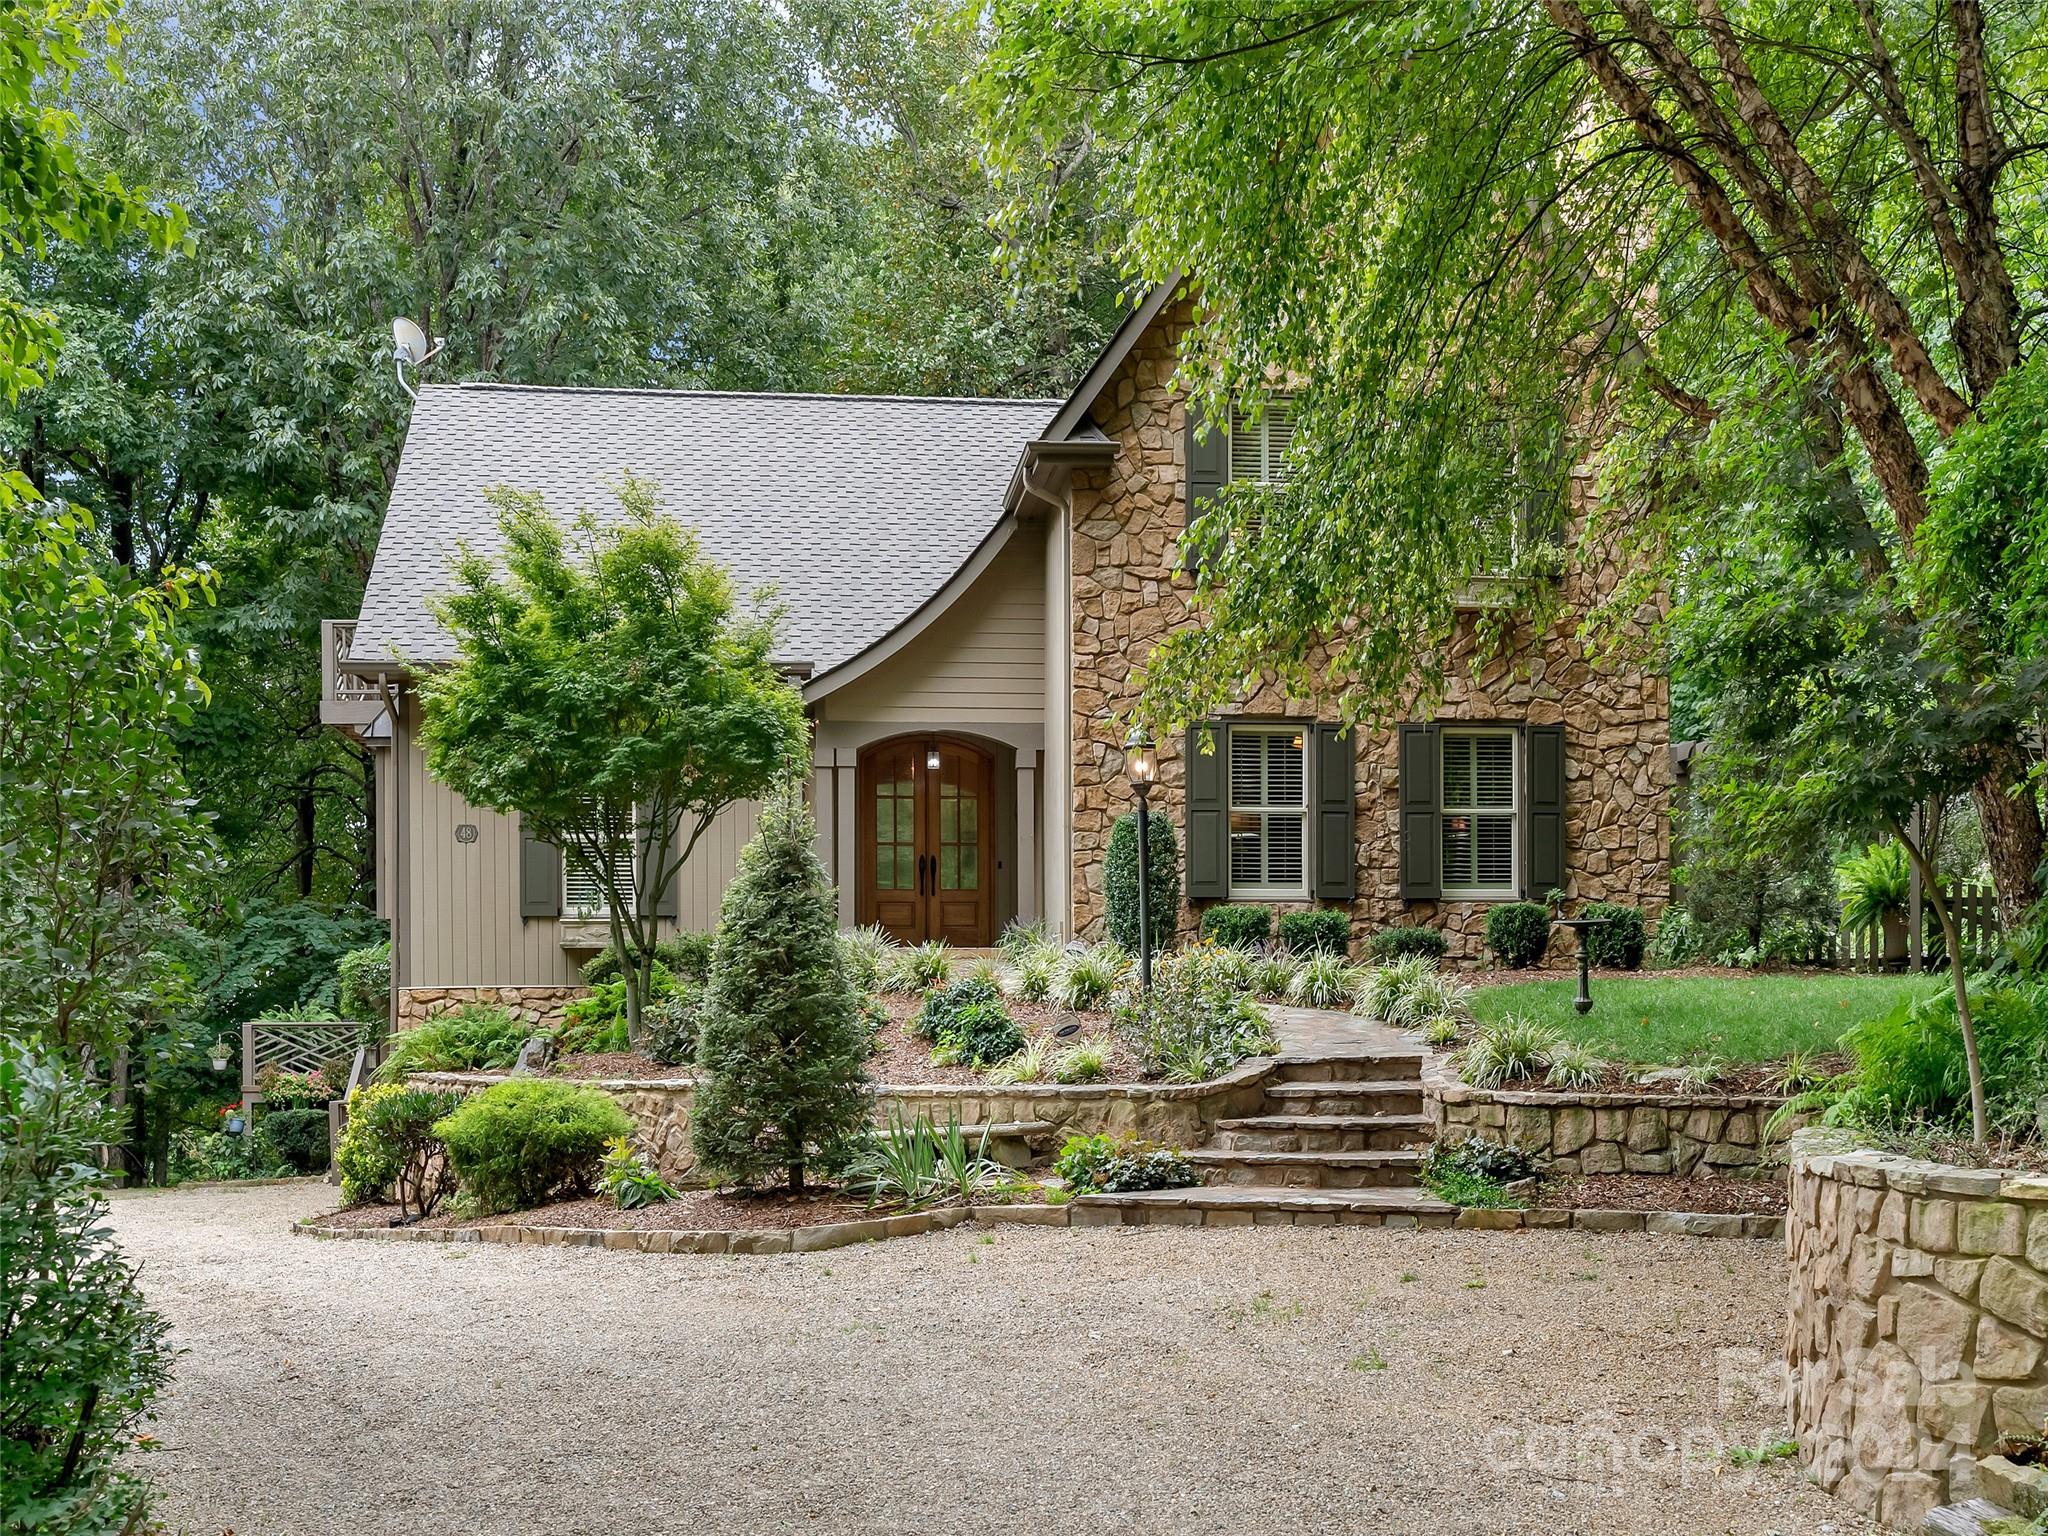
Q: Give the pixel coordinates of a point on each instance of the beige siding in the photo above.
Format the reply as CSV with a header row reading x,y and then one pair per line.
x,y
1056,818
461,909
982,660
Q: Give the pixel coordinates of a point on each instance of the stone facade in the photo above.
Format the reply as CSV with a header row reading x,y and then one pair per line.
x,y
1128,591
1919,1311
537,1006
1613,1132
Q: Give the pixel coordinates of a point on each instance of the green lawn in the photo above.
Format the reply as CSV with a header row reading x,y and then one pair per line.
x,y
1660,1020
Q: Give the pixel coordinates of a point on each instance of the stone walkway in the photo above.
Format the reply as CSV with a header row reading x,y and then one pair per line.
x,y
1325,1032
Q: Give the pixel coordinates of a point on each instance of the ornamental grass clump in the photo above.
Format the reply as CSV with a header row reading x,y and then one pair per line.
x,y
1085,1061
918,967
1272,975
915,1163
1087,977
1389,993
529,1140
1325,980
1575,1068
1508,1050
868,953
1033,972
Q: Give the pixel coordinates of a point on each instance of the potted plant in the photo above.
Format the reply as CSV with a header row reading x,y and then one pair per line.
x,y
1873,886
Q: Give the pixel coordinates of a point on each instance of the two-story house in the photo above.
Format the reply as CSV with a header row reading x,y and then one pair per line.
x,y
970,585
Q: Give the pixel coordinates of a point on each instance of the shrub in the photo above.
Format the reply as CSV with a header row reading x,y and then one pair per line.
x,y
1033,972
981,1034
1083,1062
1193,1024
1393,994
1271,975
1474,1172
1120,880
1618,946
672,1024
391,1145
919,967
1087,977
521,1143
1325,931
1240,926
1910,1065
1518,932
628,1181
1574,1067
81,1356
1120,1165
1326,980
363,984
782,1057
474,1038
686,955
867,952
300,1137
1399,943
1508,1050
943,1004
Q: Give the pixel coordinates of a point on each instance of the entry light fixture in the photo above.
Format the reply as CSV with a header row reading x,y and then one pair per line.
x,y
931,760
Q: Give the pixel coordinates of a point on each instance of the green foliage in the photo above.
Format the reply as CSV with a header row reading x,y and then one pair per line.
x,y
1086,977
687,957
1473,1173
296,1090
979,1033
1394,994
608,688
1508,1050
916,1164
1034,973
300,1137
216,1156
1910,1067
1120,880
1030,1063
1326,979
525,1141
1120,1165
943,1005
1874,885
918,967
672,1025
1271,975
363,984
1399,943
782,1085
1518,932
81,1356
1195,1023
1618,946
393,1145
1238,925
867,952
1574,1068
1019,939
626,1179
1323,931
477,1037
1085,1061
1741,883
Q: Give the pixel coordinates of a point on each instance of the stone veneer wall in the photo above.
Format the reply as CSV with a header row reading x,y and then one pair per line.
x,y
1612,1132
1128,591
1918,1314
536,1006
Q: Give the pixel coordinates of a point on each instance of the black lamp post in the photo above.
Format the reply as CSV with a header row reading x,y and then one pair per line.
x,y
1141,767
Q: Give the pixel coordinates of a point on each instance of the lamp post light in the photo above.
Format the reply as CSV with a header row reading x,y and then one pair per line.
x,y
1141,767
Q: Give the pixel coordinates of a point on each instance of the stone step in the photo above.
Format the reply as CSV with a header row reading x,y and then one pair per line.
x,y
1354,1098
1321,1133
1245,1205
1363,1066
1307,1170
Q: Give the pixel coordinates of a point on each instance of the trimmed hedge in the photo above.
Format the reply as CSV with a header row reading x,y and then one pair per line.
x,y
1518,932
1120,880
1238,925
300,1137
1618,946
1325,931
521,1143
1400,943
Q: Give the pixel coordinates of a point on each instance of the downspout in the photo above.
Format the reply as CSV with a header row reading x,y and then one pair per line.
x,y
401,887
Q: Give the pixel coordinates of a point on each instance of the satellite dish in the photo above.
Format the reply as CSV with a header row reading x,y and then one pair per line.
x,y
409,347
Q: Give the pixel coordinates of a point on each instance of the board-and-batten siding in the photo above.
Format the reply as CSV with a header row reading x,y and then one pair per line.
x,y
981,660
462,920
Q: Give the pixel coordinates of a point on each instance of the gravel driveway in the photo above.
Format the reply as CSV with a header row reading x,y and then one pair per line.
x,y
1020,1381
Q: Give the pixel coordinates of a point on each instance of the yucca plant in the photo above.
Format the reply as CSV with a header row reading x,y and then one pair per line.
x,y
1032,1064
1509,1050
1572,1066
1325,980
1087,977
1083,1062
1271,975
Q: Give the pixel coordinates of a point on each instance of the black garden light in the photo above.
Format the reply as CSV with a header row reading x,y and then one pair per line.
x,y
1141,767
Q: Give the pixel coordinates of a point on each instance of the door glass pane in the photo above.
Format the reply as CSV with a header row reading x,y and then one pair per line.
x,y
949,867
895,834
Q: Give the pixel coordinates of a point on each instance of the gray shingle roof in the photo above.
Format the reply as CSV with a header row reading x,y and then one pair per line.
x,y
857,508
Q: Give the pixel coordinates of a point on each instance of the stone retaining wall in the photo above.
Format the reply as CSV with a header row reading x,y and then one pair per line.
x,y
534,1006
1918,1314
1613,1132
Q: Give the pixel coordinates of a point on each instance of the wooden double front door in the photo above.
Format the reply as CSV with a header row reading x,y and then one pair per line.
x,y
927,840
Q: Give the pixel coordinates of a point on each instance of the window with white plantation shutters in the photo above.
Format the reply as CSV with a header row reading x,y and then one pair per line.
x,y
1258,449
583,894
1480,802
1268,811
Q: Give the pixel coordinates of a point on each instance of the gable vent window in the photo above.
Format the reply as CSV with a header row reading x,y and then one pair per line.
x,y
1268,812
1481,799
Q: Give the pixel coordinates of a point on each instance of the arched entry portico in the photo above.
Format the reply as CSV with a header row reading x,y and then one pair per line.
x,y
925,830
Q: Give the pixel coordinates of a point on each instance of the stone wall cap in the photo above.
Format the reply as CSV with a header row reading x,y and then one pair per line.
x,y
1827,1153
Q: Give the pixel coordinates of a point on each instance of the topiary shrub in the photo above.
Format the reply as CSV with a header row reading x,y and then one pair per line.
x,y
1325,931
522,1143
1618,946
1518,932
1238,925
782,1082
81,1357
1120,880
299,1137
392,1145
363,984
1399,943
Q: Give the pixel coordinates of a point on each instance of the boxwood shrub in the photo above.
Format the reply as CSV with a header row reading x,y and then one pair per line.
x,y
1325,931
524,1142
300,1137
1400,943
1238,925
1618,946
1517,932
1120,880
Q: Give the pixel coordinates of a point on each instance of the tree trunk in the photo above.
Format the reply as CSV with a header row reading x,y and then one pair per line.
x,y
308,811
2011,818
1980,1120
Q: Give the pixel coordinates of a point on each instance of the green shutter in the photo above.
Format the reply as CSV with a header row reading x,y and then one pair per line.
x,y
665,898
1208,464
1336,808
1545,812
540,877
1208,814
1422,875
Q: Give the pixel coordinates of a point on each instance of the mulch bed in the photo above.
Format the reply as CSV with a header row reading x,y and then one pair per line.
x,y
904,1058
1735,1080
1663,1192
697,1210
2002,1156
589,1064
